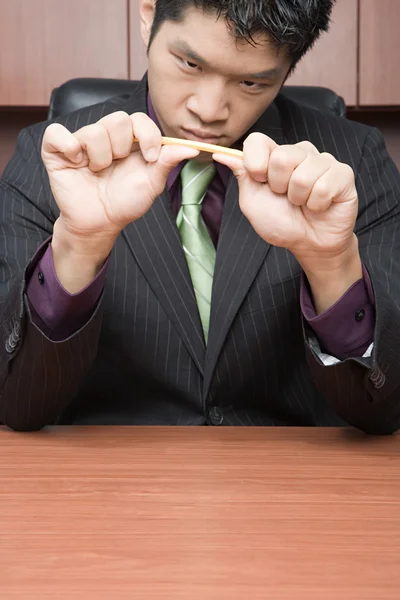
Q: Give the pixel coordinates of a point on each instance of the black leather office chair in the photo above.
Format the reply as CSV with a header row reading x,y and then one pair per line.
x,y
82,92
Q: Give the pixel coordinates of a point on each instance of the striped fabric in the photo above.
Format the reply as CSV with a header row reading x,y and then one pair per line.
x,y
141,358
196,242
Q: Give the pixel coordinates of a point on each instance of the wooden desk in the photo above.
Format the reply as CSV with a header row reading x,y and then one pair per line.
x,y
199,513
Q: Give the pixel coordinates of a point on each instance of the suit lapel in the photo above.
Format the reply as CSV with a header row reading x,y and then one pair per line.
x,y
240,254
154,241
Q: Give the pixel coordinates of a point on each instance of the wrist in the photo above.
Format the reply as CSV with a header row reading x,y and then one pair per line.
x,y
78,258
331,276
90,246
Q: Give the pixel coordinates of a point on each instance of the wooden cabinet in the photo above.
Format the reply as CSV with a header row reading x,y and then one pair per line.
x,y
379,52
332,62
45,42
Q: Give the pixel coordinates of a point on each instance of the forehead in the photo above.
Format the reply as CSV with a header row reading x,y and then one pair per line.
x,y
211,38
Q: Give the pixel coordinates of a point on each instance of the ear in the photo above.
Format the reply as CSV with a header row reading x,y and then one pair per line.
x,y
147,9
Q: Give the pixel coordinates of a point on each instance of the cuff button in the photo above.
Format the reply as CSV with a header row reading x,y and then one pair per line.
x,y
360,314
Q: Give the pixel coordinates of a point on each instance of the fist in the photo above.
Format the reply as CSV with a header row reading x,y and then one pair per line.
x,y
296,197
102,178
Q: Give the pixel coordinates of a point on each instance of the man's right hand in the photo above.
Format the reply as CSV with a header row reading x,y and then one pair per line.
x,y
102,180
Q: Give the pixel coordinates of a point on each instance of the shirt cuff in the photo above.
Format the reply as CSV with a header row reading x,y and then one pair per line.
x,y
346,329
56,312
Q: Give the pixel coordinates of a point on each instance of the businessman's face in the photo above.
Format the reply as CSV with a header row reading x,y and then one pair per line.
x,y
206,85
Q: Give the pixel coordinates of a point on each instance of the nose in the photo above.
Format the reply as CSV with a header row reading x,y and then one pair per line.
x,y
209,102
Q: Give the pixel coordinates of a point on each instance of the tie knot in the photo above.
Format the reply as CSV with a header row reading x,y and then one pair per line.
x,y
196,177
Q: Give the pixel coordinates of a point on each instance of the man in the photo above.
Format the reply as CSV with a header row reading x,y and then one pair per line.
x,y
270,296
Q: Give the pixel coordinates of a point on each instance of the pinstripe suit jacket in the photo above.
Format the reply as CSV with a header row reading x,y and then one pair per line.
x,y
141,357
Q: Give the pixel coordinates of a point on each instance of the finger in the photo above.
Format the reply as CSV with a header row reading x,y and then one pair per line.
x,y
120,132
305,175
336,185
58,140
235,164
282,163
257,150
148,136
170,157
308,147
95,141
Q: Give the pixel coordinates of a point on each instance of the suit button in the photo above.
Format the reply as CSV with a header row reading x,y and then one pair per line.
x,y
215,416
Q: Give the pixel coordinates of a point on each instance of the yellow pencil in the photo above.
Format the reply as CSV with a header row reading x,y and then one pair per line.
x,y
201,146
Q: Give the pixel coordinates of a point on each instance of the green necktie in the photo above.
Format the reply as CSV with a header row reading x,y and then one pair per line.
x,y
197,244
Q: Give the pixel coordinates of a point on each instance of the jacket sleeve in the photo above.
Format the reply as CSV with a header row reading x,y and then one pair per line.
x,y
38,377
366,391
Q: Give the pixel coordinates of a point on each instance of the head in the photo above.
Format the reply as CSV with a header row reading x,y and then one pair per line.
x,y
214,66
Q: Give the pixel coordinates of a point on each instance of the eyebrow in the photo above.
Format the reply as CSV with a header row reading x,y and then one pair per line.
x,y
182,46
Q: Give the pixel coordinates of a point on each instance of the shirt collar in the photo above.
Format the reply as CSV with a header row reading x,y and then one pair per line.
x,y
223,171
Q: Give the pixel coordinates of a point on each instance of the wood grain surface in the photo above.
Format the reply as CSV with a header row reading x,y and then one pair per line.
x,y
190,513
332,62
43,43
379,53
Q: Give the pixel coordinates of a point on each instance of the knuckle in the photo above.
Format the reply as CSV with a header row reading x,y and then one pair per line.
x,y
258,142
322,189
95,131
256,136
140,118
301,182
120,115
328,157
53,132
307,145
139,115
316,206
347,171
280,159
304,145
145,128
71,146
52,128
119,118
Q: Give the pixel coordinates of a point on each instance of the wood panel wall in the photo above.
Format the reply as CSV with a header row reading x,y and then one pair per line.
x,y
46,42
379,52
332,62
137,51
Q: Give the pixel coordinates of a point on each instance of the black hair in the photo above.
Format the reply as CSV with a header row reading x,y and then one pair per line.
x,y
292,26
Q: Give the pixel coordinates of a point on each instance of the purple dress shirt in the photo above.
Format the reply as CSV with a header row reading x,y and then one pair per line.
x,y
345,330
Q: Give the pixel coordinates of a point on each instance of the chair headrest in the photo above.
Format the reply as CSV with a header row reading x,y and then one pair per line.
x,y
81,92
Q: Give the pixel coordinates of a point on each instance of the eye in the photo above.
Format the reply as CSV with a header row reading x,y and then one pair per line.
x,y
189,65
252,86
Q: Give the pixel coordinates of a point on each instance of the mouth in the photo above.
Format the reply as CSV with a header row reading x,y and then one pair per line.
x,y
197,135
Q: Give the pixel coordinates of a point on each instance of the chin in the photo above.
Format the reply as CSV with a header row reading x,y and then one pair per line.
x,y
204,157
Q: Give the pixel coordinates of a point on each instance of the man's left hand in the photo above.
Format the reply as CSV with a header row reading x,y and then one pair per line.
x,y
303,200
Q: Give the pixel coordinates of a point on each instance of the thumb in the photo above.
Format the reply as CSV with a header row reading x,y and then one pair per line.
x,y
171,156
234,163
